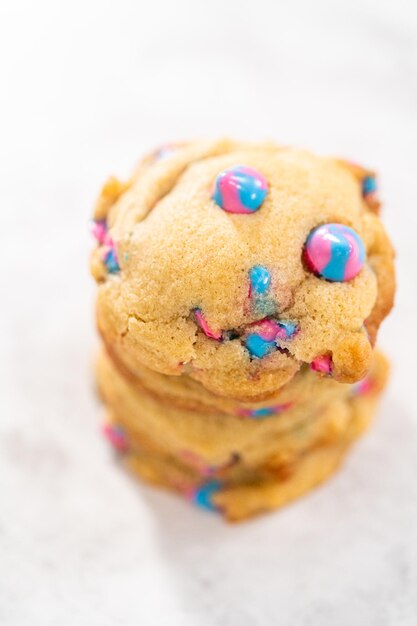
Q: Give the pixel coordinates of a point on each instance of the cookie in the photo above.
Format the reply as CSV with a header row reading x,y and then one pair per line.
x,y
239,492
185,392
217,238
213,438
240,292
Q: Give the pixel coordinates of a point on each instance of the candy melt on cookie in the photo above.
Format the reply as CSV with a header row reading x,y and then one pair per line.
x,y
203,496
259,284
334,252
240,189
369,185
260,279
111,260
203,324
98,229
100,232
286,330
322,364
259,347
370,191
266,411
266,334
116,435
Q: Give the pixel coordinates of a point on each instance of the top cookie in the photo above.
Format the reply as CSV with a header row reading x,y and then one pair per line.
x,y
241,265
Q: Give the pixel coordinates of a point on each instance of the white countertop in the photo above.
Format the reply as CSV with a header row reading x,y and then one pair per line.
x,y
87,86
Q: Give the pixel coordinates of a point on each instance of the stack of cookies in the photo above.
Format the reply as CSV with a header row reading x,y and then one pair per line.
x,y
240,291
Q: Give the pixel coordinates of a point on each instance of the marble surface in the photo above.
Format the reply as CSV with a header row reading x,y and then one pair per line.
x,y
86,87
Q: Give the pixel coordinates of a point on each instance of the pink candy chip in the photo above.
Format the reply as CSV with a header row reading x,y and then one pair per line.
x,y
266,329
116,436
209,332
322,364
99,231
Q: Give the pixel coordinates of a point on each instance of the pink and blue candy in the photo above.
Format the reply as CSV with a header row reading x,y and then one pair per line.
x,y
240,189
370,190
268,332
116,436
334,252
262,342
266,411
286,330
203,496
100,232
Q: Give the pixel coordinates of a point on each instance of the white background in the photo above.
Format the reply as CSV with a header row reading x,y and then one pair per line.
x,y
85,88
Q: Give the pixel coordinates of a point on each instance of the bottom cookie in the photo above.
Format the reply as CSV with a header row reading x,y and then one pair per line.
x,y
240,492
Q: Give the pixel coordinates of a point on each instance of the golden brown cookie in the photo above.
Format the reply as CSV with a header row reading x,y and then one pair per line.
x,y
239,491
240,291
218,445
238,265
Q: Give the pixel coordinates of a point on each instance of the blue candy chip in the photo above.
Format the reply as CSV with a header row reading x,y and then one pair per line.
x,y
258,347
203,496
111,262
260,279
369,185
